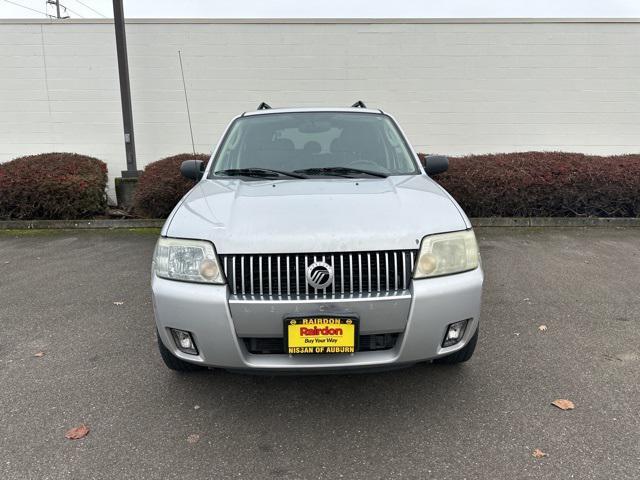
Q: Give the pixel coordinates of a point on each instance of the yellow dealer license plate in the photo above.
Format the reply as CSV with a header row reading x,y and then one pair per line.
x,y
321,334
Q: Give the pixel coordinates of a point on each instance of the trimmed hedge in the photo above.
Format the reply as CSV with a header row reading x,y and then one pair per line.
x,y
545,184
528,184
161,186
53,186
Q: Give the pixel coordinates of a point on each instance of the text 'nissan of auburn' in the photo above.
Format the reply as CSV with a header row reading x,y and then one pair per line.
x,y
315,240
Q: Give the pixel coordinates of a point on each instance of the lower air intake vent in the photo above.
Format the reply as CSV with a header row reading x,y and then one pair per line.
x,y
367,343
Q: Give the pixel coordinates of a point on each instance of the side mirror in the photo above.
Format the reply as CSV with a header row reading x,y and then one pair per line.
x,y
193,169
434,164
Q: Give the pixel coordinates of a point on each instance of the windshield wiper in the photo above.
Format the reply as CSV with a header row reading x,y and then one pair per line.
x,y
258,172
341,171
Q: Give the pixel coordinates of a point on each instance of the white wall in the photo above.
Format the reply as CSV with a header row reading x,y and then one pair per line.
x,y
456,86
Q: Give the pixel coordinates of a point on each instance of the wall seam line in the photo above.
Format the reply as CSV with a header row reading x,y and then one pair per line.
x,y
46,75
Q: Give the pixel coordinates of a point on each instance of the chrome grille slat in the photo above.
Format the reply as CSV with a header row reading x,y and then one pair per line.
x,y
369,270
288,277
314,260
233,262
360,271
386,267
269,270
333,284
306,264
351,272
411,265
251,272
284,276
324,290
395,268
378,269
404,271
279,279
242,273
297,278
260,272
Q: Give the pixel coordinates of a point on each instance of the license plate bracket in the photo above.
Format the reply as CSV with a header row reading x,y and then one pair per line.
x,y
321,334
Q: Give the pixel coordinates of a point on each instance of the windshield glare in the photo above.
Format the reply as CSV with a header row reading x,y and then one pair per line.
x,y
302,141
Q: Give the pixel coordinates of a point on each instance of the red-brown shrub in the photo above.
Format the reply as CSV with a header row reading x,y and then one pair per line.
x,y
545,184
161,186
53,186
528,184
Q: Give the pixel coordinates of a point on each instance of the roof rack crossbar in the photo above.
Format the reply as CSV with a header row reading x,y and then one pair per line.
x,y
359,104
264,106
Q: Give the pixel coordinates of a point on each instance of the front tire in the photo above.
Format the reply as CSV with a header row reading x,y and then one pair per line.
x,y
174,363
461,355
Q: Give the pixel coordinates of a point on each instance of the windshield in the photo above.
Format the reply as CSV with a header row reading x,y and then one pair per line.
x,y
314,144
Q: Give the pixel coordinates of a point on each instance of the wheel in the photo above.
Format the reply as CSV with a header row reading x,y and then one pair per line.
x,y
173,362
461,355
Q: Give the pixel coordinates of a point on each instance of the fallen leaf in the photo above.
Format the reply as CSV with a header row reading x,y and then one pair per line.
x,y
193,438
77,433
542,328
563,404
39,354
118,303
539,453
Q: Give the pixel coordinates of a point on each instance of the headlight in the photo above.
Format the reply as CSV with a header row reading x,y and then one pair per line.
x,y
187,260
447,253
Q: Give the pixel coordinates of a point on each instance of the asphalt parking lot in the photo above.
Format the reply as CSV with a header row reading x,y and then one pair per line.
x,y
482,419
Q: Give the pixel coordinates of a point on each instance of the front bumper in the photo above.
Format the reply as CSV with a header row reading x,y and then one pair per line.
x,y
421,317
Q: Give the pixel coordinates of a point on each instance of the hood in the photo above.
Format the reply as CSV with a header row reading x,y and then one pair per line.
x,y
315,215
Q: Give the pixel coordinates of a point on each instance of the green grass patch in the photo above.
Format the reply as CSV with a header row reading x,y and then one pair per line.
x,y
50,232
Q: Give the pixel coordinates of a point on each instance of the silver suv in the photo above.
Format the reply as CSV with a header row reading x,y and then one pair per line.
x,y
314,240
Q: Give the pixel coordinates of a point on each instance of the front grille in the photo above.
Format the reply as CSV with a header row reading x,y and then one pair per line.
x,y
367,343
284,275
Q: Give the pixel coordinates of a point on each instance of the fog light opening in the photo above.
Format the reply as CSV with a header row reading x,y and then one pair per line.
x,y
454,334
184,341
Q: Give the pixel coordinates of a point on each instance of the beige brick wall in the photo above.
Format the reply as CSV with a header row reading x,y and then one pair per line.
x,y
455,87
